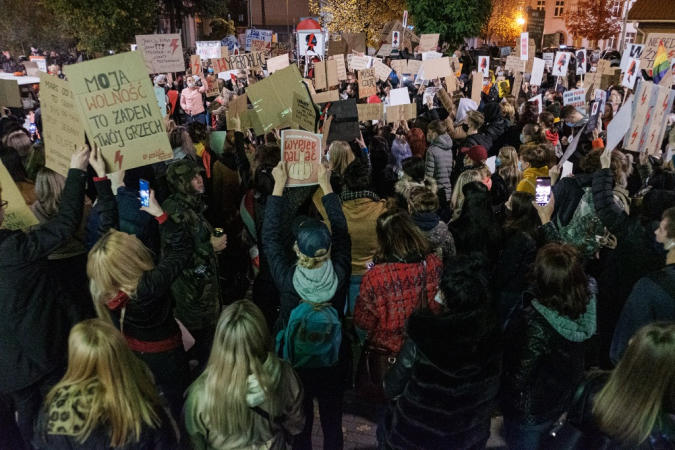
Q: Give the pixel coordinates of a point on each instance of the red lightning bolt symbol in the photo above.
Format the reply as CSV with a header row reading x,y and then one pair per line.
x,y
653,133
634,135
119,157
644,97
174,45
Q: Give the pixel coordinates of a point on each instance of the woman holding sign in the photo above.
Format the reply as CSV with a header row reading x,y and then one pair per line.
x,y
191,101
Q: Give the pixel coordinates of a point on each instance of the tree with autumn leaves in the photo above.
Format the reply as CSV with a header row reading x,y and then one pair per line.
x,y
503,27
593,20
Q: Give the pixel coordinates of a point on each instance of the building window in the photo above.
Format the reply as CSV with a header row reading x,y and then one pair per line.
x,y
559,8
541,5
616,8
630,38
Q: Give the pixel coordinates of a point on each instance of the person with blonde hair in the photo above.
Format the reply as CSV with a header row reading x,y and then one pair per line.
x,y
33,158
507,175
457,195
134,293
106,399
247,397
340,155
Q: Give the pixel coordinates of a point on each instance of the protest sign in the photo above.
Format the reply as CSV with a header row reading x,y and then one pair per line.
x,y
229,75
272,98
538,101
258,35
217,141
400,66
239,107
381,70
310,43
649,120
517,84
436,68
562,60
572,147
631,74
484,66
575,97
245,61
224,52
431,55
32,69
208,49
231,43
401,112
42,62
618,127
652,45
212,87
414,66
455,65
281,48
301,151
325,97
504,51
598,109
262,47
195,65
504,88
320,75
61,128
524,46
399,96
160,96
604,67
611,79
581,61
345,127
548,60
219,65
355,42
332,73
514,64
359,63
303,113
367,83
370,111
17,214
632,51
118,110
337,48
428,42
385,50
451,83
537,71
340,67
162,52
10,97
477,87
277,63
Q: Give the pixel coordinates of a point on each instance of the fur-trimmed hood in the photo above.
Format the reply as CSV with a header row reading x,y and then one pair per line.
x,y
405,185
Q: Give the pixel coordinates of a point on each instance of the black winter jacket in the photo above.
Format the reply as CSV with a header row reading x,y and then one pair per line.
x,y
568,192
445,381
36,316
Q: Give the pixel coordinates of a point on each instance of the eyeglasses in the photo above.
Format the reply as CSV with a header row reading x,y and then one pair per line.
x,y
3,205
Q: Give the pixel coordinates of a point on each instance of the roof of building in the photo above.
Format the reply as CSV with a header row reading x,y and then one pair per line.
x,y
652,10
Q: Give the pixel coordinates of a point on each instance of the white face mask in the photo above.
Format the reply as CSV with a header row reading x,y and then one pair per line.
x,y
439,298
191,85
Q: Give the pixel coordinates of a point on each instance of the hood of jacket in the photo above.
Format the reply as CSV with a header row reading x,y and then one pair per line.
x,y
405,185
465,105
438,235
443,142
533,172
255,395
577,330
179,176
456,343
426,221
316,285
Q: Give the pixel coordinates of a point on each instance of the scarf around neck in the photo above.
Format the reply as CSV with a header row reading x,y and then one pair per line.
x,y
316,285
346,195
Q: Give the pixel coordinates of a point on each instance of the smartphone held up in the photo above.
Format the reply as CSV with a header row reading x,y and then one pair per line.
x,y
144,188
543,191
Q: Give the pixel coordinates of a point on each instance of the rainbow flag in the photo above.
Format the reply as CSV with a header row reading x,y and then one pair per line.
x,y
661,64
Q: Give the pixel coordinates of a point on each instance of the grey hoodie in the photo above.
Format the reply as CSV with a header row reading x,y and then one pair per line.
x,y
439,162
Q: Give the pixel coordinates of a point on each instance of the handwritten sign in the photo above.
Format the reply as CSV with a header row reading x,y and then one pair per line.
x,y
219,65
277,63
118,110
208,49
303,113
320,75
340,67
428,42
301,151
40,61
653,103
161,52
370,111
367,83
400,66
245,61
381,70
332,73
652,45
401,112
17,215
436,68
514,64
258,35
359,62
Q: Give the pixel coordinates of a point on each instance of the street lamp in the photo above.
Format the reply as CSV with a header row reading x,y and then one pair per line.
x,y
520,21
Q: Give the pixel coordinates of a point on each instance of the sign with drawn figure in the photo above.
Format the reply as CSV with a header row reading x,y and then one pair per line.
x,y
560,64
301,151
161,52
396,39
484,66
631,74
632,51
118,110
311,43
581,61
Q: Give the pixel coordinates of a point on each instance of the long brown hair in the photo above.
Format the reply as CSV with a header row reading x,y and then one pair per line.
x,y
398,237
641,389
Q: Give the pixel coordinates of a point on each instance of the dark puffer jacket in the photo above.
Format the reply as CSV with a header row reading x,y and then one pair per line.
x,y
444,381
439,162
543,362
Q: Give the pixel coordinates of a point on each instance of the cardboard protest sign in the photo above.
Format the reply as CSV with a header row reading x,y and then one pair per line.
x,y
272,98
212,88
281,48
219,65
161,52
632,51
598,109
340,67
484,66
575,97
631,74
118,110
436,68
548,59
367,83
451,83
217,141
428,42
325,97
301,151
538,101
42,62
337,48
414,66
524,46
605,67
277,63
514,64
562,60
400,66
537,72
310,43
17,215
195,65
32,69
455,65
618,127
320,75
355,42
208,49
652,45
517,84
245,61
62,131
345,127
332,73
381,70
258,35
581,61
477,87
385,50
653,103
261,46
504,88
610,79
399,96
304,113
370,111
359,63
401,112
224,52
10,96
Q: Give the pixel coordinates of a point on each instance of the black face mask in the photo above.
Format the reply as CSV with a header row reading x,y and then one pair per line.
x,y
465,127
